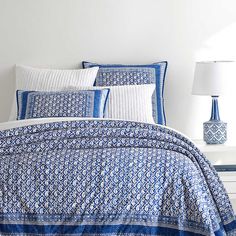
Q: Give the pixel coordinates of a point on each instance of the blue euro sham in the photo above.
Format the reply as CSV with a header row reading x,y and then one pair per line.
x,y
118,74
106,178
82,103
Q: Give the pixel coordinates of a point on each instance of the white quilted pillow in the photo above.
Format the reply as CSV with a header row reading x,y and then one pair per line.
x,y
131,102
28,78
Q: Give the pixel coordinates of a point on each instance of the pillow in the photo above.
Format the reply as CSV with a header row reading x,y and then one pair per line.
x,y
28,78
84,103
133,102
116,74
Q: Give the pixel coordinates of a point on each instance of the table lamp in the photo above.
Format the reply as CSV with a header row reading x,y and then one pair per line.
x,y
209,79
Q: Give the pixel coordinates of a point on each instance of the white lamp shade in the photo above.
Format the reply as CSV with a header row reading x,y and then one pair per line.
x,y
210,78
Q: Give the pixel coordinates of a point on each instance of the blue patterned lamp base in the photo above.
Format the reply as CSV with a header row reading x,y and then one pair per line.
x,y
215,132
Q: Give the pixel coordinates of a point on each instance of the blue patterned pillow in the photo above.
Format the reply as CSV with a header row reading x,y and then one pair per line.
x,y
117,74
81,103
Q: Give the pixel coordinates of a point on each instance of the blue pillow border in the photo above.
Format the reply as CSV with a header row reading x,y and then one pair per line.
x,y
161,117
98,97
98,93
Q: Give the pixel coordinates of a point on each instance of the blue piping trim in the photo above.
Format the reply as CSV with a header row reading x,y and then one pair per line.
x,y
163,88
17,104
105,103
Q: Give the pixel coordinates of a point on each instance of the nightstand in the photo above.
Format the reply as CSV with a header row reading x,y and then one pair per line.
x,y
223,157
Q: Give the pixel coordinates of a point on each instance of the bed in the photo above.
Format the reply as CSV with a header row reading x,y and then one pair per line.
x,y
105,176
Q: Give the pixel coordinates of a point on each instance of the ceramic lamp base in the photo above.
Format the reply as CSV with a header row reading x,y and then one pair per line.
x,y
215,132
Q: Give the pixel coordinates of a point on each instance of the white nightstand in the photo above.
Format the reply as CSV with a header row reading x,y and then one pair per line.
x,y
223,157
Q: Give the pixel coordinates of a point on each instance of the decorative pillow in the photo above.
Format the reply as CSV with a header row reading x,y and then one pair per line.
x,y
133,102
117,74
28,78
83,103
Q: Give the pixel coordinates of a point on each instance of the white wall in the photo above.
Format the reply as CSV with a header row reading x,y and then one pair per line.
x,y
62,33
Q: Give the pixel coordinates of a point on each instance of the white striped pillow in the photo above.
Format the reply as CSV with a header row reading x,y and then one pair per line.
x,y
131,102
28,78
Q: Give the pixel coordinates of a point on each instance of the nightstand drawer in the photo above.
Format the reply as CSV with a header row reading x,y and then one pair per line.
x,y
229,181
229,176
232,198
230,187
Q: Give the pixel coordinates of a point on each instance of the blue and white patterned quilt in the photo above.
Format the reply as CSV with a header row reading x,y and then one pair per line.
x,y
101,177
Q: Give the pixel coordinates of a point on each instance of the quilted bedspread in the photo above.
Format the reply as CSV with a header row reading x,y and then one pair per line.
x,y
107,177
